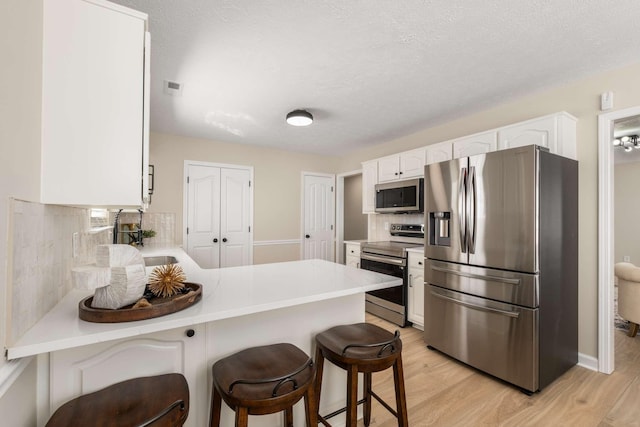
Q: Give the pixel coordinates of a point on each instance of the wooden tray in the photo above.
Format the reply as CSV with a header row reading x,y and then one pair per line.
x,y
159,307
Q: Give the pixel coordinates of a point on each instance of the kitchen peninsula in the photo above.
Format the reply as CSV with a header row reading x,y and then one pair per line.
x,y
240,307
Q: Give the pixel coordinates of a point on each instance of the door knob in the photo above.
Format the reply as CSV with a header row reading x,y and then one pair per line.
x,y
224,239
307,236
190,333
215,240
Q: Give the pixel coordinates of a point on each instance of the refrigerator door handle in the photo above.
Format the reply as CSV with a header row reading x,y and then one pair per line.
x,y
498,279
462,196
471,210
513,314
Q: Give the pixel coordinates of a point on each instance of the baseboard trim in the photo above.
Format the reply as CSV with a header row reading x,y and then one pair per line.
x,y
588,362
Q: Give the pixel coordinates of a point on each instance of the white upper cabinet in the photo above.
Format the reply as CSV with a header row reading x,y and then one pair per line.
x,y
409,164
369,181
438,153
479,143
94,117
557,132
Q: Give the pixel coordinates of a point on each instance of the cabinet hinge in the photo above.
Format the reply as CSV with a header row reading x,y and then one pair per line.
x,y
332,226
187,230
332,188
187,180
249,229
249,183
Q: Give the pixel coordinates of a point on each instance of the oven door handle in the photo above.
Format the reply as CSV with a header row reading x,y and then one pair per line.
x,y
477,276
385,260
513,314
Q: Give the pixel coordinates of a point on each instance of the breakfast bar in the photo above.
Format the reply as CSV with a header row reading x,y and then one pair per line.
x,y
240,307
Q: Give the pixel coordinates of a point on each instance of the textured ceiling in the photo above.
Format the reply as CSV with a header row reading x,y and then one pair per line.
x,y
368,70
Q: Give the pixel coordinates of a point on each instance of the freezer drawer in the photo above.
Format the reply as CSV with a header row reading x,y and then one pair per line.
x,y
499,339
505,286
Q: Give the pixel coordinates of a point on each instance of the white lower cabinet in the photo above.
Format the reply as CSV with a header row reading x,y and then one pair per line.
x,y
415,296
85,369
352,254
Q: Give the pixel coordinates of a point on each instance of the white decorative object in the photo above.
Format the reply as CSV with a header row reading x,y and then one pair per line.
x,y
127,276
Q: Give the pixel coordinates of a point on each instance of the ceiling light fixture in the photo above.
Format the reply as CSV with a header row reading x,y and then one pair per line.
x,y
628,142
299,118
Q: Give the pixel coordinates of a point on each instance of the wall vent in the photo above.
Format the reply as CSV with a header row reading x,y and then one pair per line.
x,y
172,88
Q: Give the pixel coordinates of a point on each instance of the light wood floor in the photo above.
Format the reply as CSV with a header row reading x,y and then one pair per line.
x,y
443,392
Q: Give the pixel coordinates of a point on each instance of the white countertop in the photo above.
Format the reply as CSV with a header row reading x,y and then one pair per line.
x,y
226,293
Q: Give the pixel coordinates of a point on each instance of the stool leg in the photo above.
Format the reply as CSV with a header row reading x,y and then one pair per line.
x,y
216,407
242,416
318,385
288,417
367,398
311,407
352,396
401,400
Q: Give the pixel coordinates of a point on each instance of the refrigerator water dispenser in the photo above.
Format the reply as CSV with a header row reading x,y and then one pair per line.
x,y
439,228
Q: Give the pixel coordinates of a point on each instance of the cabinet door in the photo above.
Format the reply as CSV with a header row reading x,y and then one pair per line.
x,y
369,181
234,217
540,131
92,104
415,297
89,368
352,258
389,168
412,163
438,153
479,143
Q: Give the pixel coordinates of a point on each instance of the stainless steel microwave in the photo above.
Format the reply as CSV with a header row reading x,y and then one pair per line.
x,y
400,196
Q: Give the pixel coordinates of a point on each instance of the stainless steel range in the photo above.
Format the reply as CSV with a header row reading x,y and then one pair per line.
x,y
390,257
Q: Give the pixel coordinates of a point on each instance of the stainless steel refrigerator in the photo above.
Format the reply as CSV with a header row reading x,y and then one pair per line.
x,y
501,269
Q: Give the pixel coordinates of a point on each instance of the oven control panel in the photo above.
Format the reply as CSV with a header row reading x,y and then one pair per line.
x,y
407,230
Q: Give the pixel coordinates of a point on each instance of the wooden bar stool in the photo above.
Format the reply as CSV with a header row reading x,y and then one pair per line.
x,y
366,348
264,380
161,401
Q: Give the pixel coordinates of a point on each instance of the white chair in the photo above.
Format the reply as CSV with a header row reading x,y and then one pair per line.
x,y
629,294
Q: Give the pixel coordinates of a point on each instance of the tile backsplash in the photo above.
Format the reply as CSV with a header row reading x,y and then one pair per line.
x,y
45,243
41,256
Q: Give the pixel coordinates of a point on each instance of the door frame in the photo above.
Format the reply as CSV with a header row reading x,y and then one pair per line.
x,y
303,175
185,198
606,249
339,252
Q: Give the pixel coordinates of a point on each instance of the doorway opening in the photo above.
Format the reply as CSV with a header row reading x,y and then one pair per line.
x,y
606,248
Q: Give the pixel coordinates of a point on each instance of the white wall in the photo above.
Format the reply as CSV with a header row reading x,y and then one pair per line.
x,y
627,212
20,112
21,50
581,99
277,186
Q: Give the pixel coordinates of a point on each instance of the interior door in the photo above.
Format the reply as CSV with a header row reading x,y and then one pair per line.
x,y
203,215
234,217
318,217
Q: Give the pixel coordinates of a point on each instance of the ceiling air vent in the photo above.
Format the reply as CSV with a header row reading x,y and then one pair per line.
x,y
172,88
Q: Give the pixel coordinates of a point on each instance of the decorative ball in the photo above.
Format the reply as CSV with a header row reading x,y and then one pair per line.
x,y
166,280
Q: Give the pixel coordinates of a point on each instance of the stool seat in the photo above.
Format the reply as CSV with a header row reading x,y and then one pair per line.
x,y
161,400
366,348
264,380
